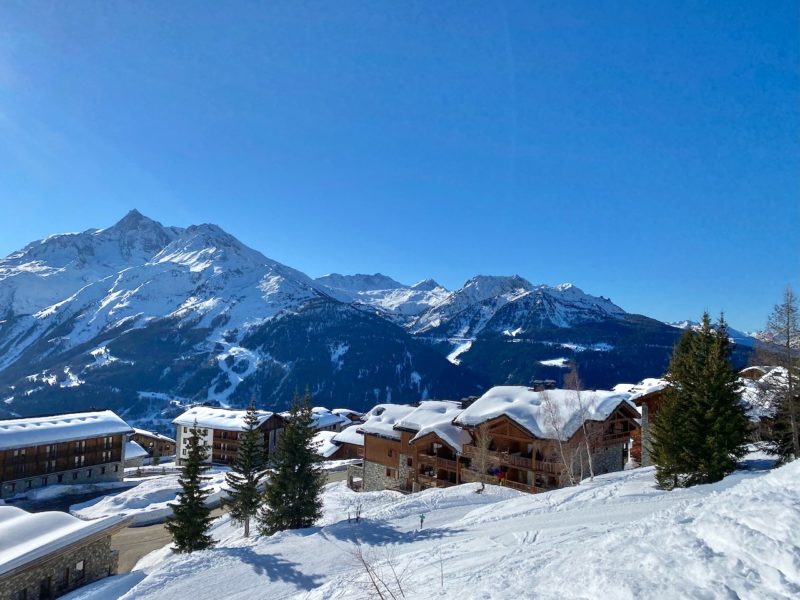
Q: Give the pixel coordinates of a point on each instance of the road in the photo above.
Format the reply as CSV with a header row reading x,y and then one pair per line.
x,y
135,542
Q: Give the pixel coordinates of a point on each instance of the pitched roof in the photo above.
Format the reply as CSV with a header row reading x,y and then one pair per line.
x,y
153,434
381,419
542,413
33,431
350,435
436,416
323,443
134,450
25,536
219,418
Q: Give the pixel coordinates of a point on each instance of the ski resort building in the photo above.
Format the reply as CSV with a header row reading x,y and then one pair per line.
x,y
157,445
323,419
84,447
387,464
538,439
45,555
220,429
647,395
433,444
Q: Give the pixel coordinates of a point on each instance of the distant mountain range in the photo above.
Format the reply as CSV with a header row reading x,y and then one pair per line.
x,y
140,317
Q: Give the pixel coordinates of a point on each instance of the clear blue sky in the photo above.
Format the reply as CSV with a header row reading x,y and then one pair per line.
x,y
646,151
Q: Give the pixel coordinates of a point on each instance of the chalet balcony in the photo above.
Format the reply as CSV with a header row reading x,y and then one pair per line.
x,y
437,461
518,462
469,476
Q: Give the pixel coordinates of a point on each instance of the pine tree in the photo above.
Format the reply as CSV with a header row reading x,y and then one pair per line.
x,y
244,498
292,493
783,329
191,518
701,427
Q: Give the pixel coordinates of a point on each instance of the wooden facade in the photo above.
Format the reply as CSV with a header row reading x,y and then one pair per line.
x,y
156,445
63,462
435,462
224,443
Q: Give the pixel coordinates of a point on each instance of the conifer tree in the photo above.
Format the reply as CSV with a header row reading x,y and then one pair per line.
x,y
243,479
701,427
191,518
292,493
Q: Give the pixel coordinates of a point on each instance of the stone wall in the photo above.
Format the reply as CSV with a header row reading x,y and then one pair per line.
x,y
99,560
610,459
375,478
113,472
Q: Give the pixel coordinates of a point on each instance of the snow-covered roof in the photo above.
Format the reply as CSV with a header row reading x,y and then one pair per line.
x,y
436,416
322,417
25,536
346,412
323,443
219,418
350,435
381,420
153,434
33,431
648,386
541,413
134,450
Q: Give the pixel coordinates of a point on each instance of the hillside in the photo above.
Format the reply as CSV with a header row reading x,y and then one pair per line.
x,y
614,533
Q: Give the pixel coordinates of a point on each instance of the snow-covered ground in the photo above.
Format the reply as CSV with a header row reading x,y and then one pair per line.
x,y
616,537
146,503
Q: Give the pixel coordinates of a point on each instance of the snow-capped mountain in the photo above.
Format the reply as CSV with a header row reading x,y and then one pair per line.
x,y
139,314
742,338
511,304
396,301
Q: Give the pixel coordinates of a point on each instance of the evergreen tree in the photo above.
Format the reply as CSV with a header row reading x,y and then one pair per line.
x,y
701,427
191,518
243,479
292,493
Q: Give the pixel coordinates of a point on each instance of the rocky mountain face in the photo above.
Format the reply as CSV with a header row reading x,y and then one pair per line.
x,y
143,318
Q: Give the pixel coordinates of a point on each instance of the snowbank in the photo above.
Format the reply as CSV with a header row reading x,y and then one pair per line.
x,y
614,537
148,502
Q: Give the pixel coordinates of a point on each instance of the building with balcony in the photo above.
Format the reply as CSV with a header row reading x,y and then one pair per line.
x,y
156,444
220,430
84,447
541,440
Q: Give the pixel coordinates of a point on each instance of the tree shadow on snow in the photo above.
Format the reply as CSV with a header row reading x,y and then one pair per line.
x,y
377,533
276,568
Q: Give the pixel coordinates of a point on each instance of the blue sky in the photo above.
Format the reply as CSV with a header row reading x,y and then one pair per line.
x,y
649,152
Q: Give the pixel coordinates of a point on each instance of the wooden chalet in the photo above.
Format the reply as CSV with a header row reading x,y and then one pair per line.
x,y
156,444
220,430
648,395
525,450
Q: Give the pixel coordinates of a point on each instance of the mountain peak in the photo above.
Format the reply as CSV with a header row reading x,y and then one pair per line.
x,y
427,285
359,282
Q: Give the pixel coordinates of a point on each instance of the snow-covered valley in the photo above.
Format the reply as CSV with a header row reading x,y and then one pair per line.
x,y
614,537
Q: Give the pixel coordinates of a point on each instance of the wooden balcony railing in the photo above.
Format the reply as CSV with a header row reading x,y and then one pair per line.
x,y
519,462
437,461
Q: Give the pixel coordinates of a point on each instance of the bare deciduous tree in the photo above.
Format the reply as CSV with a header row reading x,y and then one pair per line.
x,y
582,405
481,456
554,420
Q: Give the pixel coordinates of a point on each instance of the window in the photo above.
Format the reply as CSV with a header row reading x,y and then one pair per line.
x,y
30,484
116,468
184,430
66,577
79,572
388,472
45,586
184,451
408,462
44,481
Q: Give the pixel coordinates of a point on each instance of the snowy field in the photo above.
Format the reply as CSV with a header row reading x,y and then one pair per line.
x,y
147,503
614,538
